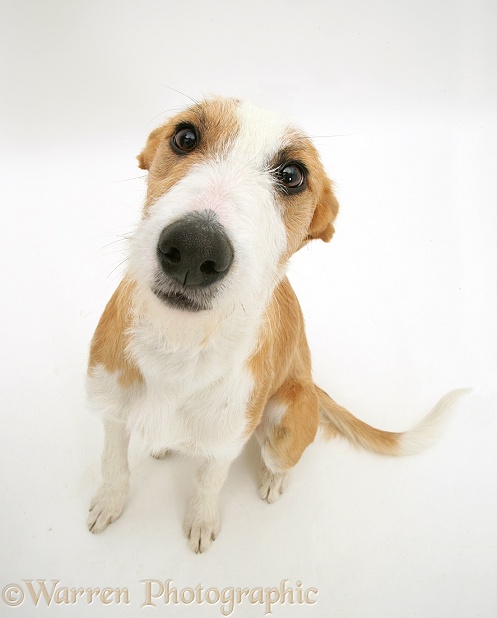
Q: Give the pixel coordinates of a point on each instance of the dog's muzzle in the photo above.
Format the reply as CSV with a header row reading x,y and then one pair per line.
x,y
194,253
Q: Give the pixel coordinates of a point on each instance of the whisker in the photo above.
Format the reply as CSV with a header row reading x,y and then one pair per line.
x,y
114,242
118,266
336,135
179,92
126,179
120,227
167,111
101,255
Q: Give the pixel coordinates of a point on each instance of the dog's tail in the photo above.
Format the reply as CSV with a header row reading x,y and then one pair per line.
x,y
336,420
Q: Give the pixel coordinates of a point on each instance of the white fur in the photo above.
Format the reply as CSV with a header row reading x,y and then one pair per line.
x,y
202,521
195,397
273,414
272,479
429,429
271,485
108,502
107,397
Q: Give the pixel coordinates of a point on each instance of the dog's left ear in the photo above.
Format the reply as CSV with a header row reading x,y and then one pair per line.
x,y
324,214
147,155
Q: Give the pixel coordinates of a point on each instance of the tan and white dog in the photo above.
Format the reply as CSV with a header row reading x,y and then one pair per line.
x,y
203,345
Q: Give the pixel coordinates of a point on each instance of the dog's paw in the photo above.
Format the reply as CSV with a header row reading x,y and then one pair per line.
x,y
271,486
162,454
106,506
201,531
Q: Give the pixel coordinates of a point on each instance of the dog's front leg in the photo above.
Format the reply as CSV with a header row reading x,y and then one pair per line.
x,y
202,520
108,502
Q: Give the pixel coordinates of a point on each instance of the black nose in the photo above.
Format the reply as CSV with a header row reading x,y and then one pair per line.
x,y
195,250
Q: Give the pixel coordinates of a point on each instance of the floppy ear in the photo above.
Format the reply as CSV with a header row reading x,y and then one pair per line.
x,y
147,155
324,215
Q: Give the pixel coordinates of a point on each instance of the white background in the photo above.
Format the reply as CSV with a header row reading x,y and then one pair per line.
x,y
400,307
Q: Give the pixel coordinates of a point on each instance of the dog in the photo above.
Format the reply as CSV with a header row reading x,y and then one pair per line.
x,y
202,344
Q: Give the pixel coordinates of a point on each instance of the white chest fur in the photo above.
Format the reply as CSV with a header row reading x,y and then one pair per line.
x,y
194,398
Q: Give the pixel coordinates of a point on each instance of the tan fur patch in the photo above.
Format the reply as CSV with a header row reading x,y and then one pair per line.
x,y
309,214
298,426
216,124
337,421
282,372
282,353
108,346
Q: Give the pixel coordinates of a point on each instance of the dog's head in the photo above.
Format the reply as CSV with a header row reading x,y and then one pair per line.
x,y
233,192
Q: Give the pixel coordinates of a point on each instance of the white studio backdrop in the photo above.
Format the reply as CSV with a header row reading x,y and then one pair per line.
x,y
400,307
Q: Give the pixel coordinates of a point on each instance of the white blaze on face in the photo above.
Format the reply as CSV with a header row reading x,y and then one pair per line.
x,y
237,185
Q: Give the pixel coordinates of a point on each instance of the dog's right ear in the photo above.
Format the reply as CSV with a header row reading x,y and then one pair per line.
x,y
324,214
147,155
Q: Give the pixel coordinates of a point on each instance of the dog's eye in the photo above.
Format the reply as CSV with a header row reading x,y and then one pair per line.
x,y
184,140
292,177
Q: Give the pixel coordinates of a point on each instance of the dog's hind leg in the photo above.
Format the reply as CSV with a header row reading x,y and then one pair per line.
x,y
289,425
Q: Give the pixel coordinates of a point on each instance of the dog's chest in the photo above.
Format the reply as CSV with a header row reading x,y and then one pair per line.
x,y
194,399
